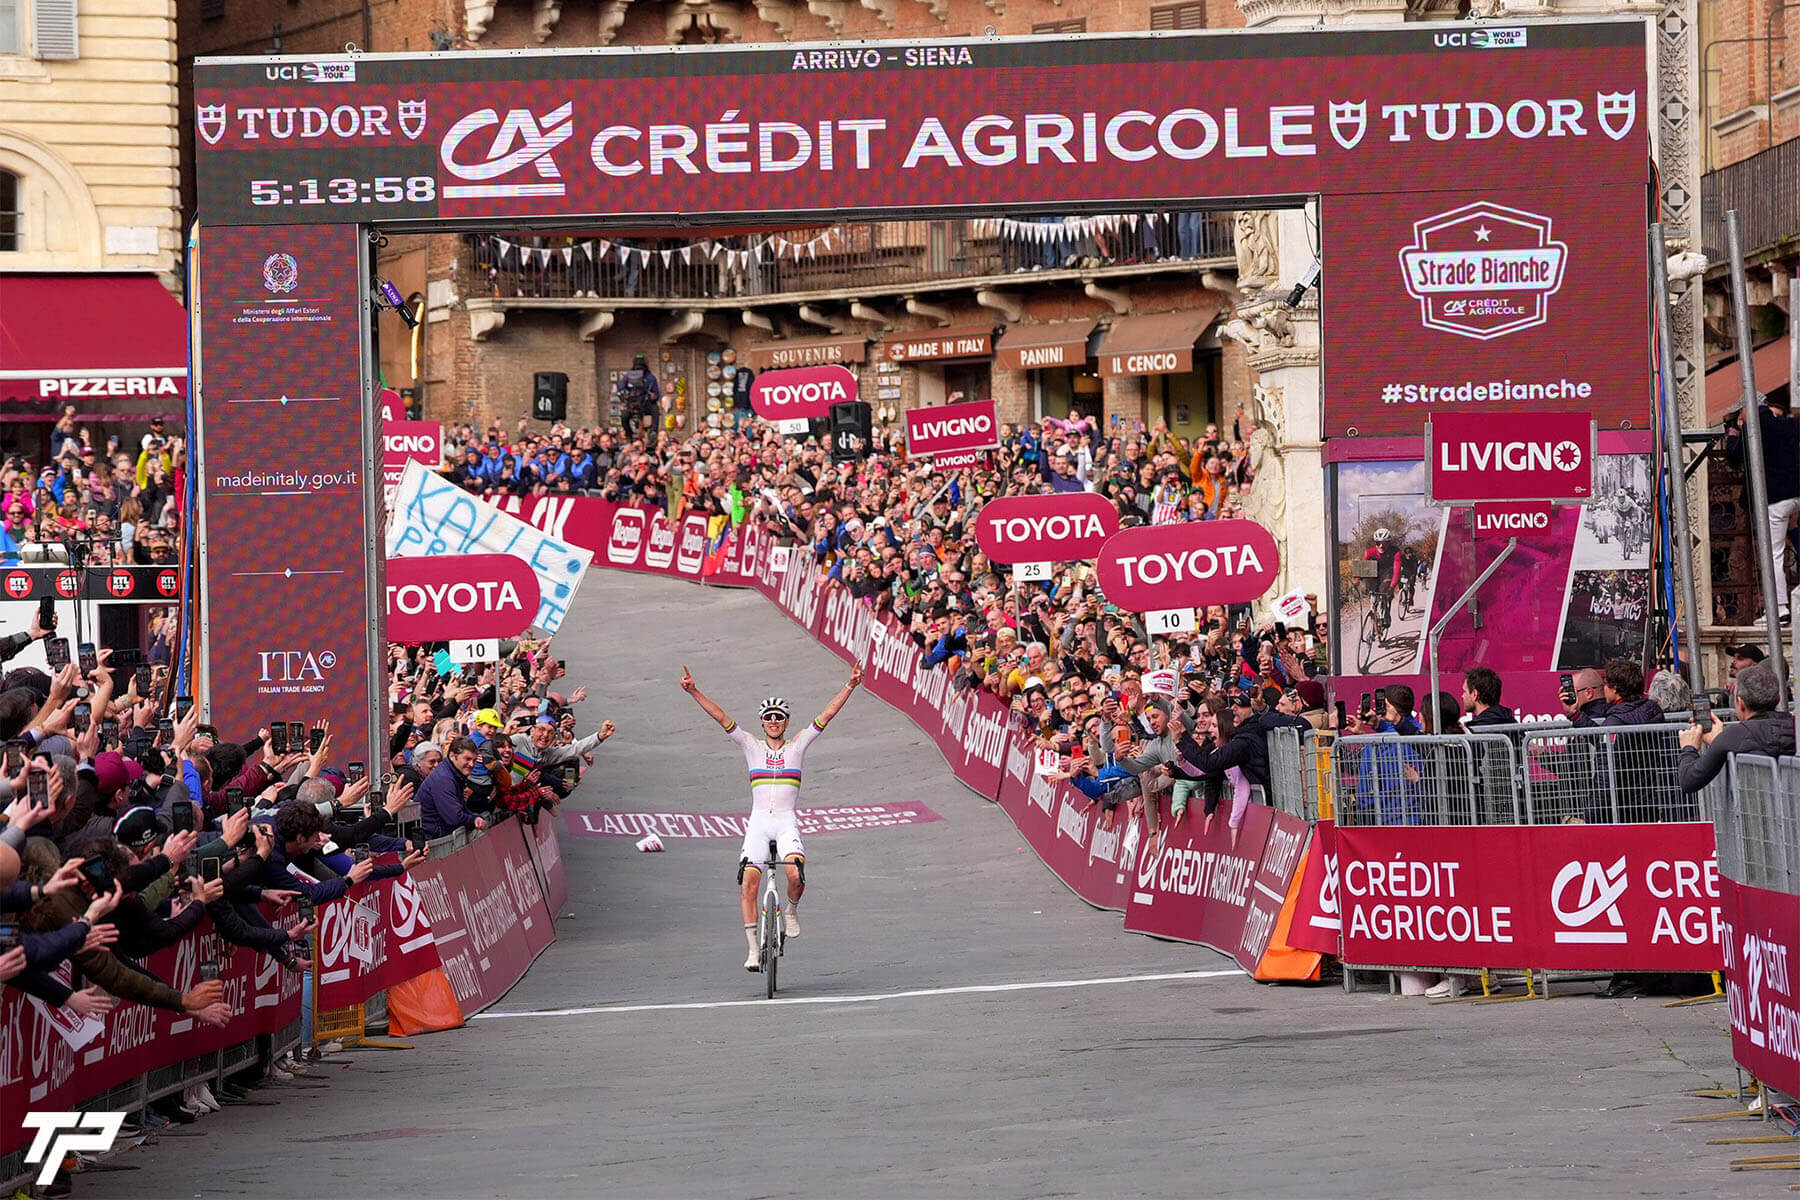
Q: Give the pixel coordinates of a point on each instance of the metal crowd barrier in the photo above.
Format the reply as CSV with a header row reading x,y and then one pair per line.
x,y
1756,823
1544,774
1300,772
1425,779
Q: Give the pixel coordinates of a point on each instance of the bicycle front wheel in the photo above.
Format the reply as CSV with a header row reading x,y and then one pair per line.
x,y
771,950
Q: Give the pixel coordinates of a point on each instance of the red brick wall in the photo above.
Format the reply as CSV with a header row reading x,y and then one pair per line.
x,y
1741,74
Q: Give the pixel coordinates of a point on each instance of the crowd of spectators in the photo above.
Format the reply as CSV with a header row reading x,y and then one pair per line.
x,y
121,500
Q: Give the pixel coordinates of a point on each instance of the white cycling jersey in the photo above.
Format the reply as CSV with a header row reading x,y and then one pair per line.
x,y
774,791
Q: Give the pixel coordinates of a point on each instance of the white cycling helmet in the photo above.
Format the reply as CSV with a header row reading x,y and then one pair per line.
x,y
776,706
1382,535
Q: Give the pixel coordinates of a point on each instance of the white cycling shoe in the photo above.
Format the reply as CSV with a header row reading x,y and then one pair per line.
x,y
793,921
753,963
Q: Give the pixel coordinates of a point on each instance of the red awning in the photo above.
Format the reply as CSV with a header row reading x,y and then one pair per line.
x,y
113,345
1725,386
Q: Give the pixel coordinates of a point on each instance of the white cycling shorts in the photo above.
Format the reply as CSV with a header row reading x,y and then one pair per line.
x,y
781,828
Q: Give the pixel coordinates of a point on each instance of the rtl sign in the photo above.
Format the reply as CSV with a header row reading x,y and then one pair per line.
x,y
1473,457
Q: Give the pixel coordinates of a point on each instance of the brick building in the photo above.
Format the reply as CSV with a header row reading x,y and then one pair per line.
x,y
1113,315
1750,100
90,229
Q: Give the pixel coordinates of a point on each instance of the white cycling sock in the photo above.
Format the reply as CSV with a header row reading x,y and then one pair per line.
x,y
750,934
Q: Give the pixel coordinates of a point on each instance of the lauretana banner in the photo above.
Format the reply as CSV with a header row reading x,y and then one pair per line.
x,y
486,909
1761,942
1584,897
52,1058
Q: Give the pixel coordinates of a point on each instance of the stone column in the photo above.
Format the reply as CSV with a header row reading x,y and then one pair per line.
x,y
1281,345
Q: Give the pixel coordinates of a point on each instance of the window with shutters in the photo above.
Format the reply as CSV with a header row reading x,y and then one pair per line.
x,y
12,216
12,33
1077,25
1178,16
53,29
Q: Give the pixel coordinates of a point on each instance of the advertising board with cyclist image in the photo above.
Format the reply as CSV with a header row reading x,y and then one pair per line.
x,y
1568,596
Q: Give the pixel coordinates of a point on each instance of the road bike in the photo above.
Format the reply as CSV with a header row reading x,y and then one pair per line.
x,y
771,930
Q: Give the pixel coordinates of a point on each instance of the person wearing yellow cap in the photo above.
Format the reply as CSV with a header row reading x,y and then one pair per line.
x,y
487,730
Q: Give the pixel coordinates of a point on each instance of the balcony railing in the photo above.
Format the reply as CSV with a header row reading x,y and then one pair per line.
x,y
1765,190
840,260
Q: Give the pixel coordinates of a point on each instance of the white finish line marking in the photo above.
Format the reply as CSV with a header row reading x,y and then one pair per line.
x,y
966,990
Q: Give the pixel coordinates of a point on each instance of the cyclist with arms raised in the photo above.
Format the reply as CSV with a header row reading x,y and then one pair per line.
x,y
774,761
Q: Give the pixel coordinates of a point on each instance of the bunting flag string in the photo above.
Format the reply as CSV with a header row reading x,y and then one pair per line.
x,y
774,246
1060,228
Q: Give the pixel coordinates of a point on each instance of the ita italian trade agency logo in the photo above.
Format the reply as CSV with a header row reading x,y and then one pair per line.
x,y
1484,270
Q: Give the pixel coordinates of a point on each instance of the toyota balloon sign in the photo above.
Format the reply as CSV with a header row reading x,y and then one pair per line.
x,y
456,596
1061,527
802,393
1156,567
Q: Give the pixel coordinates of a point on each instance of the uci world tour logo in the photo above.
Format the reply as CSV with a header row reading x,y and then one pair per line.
x,y
281,274
1484,270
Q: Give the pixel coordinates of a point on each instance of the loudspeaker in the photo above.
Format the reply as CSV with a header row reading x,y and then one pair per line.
x,y
851,423
550,396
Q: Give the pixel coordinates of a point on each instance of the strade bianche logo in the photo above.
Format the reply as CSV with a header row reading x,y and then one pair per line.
x,y
519,140
1602,886
1484,270
281,274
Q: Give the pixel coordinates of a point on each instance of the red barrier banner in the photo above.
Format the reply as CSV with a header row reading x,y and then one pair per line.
x,y
1317,923
449,596
1060,527
1198,887
488,914
1281,857
546,852
55,1059
370,939
1158,567
1067,831
1761,943
1585,897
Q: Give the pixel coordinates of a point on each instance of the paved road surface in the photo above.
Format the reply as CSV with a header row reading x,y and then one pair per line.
x,y
1208,1084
